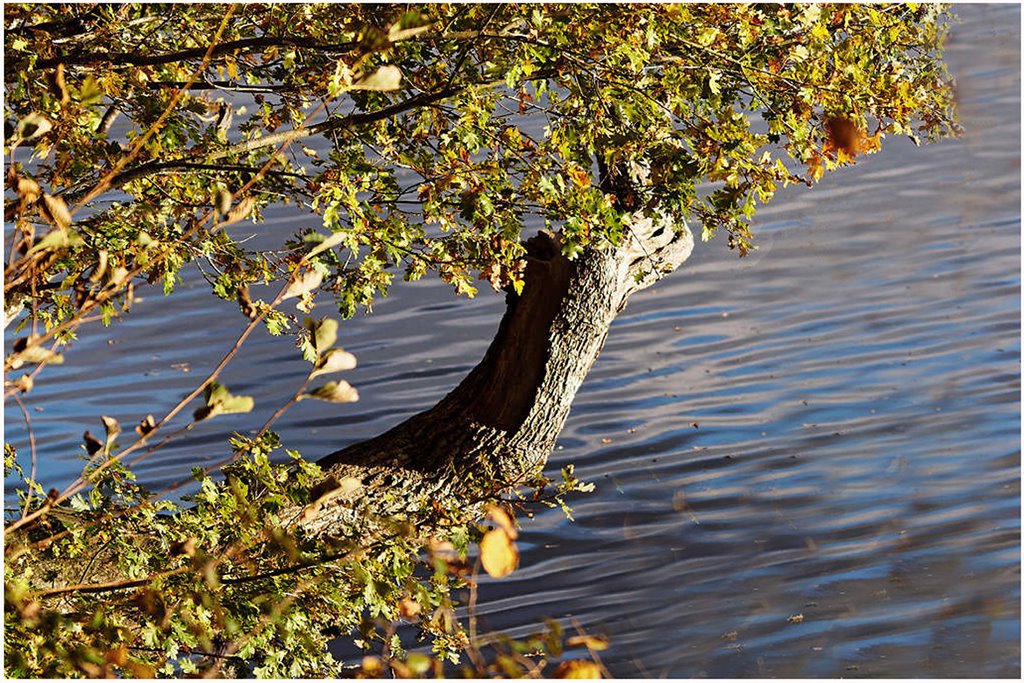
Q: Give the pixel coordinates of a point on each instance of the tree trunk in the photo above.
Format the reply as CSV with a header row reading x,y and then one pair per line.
x,y
499,425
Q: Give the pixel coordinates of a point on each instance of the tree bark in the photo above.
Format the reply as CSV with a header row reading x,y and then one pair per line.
x,y
498,426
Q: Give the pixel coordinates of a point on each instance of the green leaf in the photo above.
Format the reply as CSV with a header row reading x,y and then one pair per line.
x,y
219,401
322,333
91,92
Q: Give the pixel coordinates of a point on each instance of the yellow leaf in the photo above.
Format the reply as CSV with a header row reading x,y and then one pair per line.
x,y
590,642
241,210
388,77
498,553
577,668
815,168
58,211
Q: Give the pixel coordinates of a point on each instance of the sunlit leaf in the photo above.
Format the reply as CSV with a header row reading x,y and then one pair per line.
x,y
241,210
219,401
32,126
58,211
28,190
334,360
332,240
322,333
335,392
501,517
577,668
221,198
411,24
590,642
498,553
112,428
304,284
91,91
388,77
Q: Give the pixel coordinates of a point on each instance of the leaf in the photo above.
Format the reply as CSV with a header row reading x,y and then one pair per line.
x,y
328,242
388,77
577,668
91,91
241,210
334,392
322,333
28,190
303,284
221,198
112,428
411,24
595,643
334,360
58,211
56,240
498,553
500,517
219,401
32,126
409,608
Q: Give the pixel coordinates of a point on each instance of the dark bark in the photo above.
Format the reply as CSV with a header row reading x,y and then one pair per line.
x,y
498,426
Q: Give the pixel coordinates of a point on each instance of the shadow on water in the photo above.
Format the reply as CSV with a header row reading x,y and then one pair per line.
x,y
807,462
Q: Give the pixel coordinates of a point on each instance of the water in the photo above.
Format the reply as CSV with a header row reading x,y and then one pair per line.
x,y
830,428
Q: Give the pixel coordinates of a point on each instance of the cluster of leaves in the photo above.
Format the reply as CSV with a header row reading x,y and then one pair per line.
x,y
228,582
446,129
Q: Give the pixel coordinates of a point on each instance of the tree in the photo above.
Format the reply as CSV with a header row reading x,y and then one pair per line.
x,y
423,140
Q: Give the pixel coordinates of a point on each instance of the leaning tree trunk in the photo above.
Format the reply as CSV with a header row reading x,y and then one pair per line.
x,y
500,423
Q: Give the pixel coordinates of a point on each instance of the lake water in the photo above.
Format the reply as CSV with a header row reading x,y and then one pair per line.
x,y
830,428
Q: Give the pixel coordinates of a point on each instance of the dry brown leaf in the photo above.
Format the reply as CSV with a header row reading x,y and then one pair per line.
x,y
409,608
499,516
147,425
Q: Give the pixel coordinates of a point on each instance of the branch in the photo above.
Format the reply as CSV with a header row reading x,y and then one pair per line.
x,y
126,58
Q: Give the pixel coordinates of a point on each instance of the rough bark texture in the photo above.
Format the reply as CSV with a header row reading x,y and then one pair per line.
x,y
500,423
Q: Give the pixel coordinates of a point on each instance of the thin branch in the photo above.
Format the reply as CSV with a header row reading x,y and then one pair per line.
x,y
32,450
126,58
108,586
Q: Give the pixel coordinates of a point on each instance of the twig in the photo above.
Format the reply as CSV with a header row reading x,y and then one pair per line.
x,y
32,451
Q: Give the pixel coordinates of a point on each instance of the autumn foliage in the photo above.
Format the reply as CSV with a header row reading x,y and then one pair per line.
x,y
141,138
